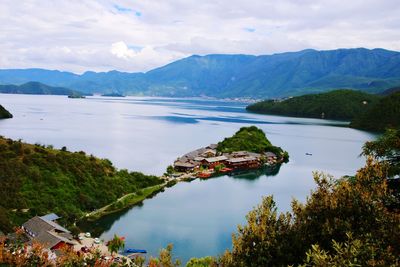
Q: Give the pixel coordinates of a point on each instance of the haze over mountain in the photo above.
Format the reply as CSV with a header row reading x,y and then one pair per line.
x,y
267,76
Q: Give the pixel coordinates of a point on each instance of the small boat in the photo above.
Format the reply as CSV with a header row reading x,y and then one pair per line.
x,y
204,175
224,170
308,154
133,250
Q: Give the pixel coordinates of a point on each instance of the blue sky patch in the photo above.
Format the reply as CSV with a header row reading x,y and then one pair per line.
x,y
122,9
248,29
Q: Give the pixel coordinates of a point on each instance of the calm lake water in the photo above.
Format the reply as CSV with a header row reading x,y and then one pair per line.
x,y
148,134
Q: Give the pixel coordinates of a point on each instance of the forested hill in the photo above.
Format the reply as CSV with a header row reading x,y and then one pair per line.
x,y
4,114
251,139
338,105
36,88
35,180
265,76
385,114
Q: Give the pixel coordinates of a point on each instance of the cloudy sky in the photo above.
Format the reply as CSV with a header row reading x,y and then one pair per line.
x,y
138,35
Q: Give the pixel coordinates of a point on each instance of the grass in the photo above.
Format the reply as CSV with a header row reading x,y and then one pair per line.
x,y
124,202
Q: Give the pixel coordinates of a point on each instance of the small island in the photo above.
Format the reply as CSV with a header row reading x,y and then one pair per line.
x,y
247,149
76,95
113,94
5,114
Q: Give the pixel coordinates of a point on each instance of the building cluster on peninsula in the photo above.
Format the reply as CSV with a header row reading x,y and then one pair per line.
x,y
207,161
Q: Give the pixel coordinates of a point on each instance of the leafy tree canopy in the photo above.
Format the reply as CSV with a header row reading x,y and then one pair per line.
x,y
250,139
338,104
384,114
35,180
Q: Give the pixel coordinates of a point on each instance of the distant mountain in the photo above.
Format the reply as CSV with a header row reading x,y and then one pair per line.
x,y
268,76
336,105
385,114
36,88
4,114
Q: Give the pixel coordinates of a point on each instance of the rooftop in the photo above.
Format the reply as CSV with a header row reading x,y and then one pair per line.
x,y
47,232
216,159
243,159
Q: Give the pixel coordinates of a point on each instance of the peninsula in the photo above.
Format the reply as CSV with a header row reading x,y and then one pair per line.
x,y
37,88
334,105
247,149
4,114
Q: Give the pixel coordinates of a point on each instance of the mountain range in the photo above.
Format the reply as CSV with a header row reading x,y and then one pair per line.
x,y
223,76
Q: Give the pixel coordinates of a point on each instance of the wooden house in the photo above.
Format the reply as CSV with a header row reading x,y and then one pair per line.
x,y
46,231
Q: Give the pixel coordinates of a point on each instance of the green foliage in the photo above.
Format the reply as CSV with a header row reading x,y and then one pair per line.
x,y
219,167
4,114
386,149
165,258
37,88
339,104
249,139
46,180
334,209
170,170
382,115
115,244
352,252
202,262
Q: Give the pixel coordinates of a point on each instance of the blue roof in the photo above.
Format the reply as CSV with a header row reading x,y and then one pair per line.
x,y
50,217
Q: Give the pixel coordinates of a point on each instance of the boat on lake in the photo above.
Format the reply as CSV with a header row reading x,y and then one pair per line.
x,y
133,250
204,175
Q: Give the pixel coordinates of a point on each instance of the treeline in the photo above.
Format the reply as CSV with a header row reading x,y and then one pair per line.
x,y
4,114
335,105
365,111
37,88
35,180
384,114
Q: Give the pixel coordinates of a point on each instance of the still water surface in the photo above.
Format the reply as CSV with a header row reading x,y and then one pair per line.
x,y
147,134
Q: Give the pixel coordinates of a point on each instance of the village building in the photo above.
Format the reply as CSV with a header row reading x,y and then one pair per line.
x,y
46,231
243,163
185,166
270,155
208,153
211,162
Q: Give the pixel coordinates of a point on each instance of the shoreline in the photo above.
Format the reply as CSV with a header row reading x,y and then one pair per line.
x,y
124,202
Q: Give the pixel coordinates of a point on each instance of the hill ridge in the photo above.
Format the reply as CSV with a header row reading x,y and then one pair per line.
x,y
237,75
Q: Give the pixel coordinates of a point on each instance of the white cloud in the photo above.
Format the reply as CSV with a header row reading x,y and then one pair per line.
x,y
102,35
121,50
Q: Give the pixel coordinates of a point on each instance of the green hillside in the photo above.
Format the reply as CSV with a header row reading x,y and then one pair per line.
x,y
36,88
4,114
338,105
35,180
385,114
250,139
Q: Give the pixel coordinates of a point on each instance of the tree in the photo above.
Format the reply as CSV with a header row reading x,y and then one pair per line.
x,y
202,262
164,258
115,244
334,209
386,149
353,252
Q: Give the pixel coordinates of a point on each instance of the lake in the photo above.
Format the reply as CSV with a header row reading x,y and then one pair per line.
x,y
147,134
